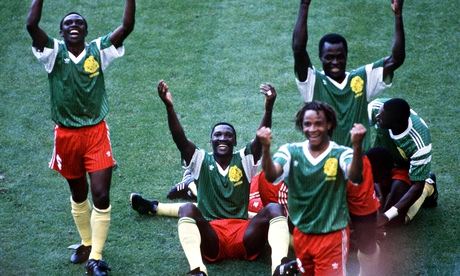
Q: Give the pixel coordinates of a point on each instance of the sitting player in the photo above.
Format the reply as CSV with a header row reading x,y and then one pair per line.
x,y
401,131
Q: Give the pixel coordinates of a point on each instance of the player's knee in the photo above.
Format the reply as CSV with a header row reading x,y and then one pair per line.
x,y
275,210
101,200
188,210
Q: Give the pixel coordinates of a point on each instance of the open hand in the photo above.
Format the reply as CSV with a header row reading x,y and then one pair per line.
x,y
270,93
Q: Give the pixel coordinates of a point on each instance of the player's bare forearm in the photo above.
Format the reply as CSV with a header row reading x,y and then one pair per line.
x,y
268,166
39,37
414,192
356,167
272,172
186,147
127,26
270,96
398,51
299,42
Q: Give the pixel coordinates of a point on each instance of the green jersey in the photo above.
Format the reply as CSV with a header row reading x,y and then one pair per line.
x,y
223,193
349,98
410,149
78,96
317,186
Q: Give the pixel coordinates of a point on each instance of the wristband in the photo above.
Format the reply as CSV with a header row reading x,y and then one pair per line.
x,y
391,213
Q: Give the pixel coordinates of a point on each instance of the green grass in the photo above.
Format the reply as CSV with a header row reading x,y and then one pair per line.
x,y
213,54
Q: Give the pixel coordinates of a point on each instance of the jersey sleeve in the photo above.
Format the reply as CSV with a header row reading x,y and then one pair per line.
x,y
48,56
247,160
195,163
345,160
108,51
283,157
420,164
375,83
307,87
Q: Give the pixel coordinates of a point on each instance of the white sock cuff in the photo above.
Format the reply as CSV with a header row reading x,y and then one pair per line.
x,y
103,210
277,219
186,220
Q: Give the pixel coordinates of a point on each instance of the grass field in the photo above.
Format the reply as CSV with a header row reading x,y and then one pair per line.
x,y
213,54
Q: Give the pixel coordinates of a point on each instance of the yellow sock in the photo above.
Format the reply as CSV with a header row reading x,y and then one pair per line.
x,y
278,239
190,239
369,263
100,222
413,210
81,213
168,209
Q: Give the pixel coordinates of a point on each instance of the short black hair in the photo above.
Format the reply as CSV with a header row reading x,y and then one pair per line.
x,y
317,106
62,20
332,38
225,124
397,110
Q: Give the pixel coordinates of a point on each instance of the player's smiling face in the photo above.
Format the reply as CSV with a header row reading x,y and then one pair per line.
x,y
74,29
315,127
223,140
334,59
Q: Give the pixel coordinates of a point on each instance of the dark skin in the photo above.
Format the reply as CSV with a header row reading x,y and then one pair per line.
x,y
76,43
223,141
401,195
73,32
334,56
315,129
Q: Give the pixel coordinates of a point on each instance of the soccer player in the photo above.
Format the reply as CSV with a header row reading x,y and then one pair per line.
x,y
217,227
78,108
316,172
406,135
348,93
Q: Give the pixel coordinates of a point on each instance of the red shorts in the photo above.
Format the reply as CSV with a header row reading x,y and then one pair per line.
x,y
263,192
230,233
401,174
80,150
361,198
322,254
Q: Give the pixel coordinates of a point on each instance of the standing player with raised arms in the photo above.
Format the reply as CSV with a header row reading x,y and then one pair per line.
x,y
349,93
78,108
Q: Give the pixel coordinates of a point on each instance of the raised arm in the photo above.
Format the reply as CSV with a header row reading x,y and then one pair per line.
x,y
398,52
39,37
299,42
270,96
185,147
355,168
127,25
272,170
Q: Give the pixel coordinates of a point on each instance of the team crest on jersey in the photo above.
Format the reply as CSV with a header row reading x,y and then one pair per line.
x,y
357,85
330,168
235,174
91,66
